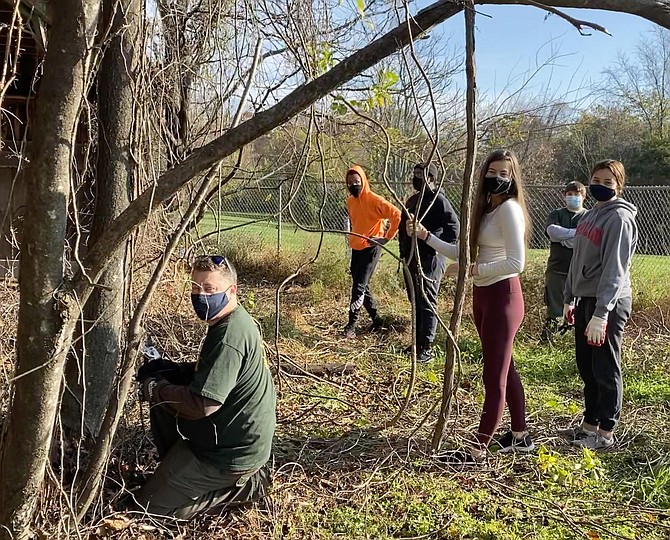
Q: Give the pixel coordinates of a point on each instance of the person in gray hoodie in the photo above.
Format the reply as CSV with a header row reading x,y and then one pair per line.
x,y
598,301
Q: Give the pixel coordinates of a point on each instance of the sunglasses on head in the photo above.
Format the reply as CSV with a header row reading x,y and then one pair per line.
x,y
218,260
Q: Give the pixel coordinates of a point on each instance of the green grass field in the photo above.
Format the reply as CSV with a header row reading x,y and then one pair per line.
x,y
650,274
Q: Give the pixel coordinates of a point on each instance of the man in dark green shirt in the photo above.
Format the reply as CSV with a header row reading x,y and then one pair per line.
x,y
560,227
213,420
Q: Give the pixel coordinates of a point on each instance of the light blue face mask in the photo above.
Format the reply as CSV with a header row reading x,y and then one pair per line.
x,y
573,202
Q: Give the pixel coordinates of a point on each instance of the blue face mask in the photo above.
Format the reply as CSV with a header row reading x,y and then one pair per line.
x,y
601,193
208,306
573,202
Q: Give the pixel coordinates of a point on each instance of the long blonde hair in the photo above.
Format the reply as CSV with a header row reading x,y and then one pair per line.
x,y
482,199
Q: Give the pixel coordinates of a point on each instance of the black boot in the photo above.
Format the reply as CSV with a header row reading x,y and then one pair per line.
x,y
424,353
379,324
350,328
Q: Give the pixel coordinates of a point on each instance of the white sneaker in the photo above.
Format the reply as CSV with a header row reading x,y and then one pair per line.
x,y
594,441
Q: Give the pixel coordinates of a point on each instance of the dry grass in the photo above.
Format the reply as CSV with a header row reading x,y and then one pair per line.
x,y
337,475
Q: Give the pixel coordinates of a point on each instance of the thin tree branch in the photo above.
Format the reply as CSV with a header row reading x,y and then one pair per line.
x,y
577,23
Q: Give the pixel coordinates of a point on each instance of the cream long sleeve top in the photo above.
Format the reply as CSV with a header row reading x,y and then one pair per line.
x,y
502,248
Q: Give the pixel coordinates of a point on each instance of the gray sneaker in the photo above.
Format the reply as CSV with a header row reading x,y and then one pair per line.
x,y
575,433
594,441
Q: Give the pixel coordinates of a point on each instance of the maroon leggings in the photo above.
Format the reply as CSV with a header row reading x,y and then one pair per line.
x,y
498,311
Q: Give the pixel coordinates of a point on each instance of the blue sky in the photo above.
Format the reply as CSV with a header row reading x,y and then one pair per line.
x,y
517,38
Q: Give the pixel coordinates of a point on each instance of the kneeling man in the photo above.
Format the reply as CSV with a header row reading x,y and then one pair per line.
x,y
212,420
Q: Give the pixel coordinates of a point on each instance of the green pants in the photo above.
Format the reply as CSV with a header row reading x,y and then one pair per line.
x,y
184,486
553,293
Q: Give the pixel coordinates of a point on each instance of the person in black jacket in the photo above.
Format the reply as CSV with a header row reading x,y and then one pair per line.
x,y
439,217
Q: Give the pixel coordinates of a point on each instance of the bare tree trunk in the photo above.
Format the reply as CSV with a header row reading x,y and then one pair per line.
x,y
464,247
47,315
178,79
91,379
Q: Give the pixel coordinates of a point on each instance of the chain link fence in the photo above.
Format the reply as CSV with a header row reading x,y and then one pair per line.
x,y
283,213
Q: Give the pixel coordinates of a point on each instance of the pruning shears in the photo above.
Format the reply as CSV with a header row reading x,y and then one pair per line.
x,y
564,328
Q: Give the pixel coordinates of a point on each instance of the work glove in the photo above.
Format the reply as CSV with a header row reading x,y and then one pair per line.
x,y
179,373
569,313
379,241
595,331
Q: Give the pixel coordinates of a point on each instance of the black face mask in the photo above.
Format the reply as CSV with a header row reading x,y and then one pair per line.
x,y
418,182
497,185
355,190
601,193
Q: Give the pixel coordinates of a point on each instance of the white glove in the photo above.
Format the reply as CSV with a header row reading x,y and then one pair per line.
x,y
595,331
569,313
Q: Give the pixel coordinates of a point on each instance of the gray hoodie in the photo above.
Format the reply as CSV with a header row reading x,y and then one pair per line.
x,y
604,245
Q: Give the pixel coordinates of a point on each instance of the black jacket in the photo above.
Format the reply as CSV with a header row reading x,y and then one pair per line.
x,y
441,220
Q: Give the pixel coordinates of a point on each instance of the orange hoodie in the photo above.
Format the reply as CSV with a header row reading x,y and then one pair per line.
x,y
367,213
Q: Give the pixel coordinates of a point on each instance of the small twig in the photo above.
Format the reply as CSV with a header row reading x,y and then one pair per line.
x,y
577,23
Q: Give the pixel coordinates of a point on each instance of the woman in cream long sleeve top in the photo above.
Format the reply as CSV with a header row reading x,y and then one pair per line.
x,y
498,246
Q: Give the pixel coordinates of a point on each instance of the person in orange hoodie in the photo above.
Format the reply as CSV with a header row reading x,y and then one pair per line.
x,y
368,213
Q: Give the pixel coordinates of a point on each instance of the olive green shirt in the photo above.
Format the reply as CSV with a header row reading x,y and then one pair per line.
x,y
231,371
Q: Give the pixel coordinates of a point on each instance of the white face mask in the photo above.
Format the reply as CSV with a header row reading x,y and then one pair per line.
x,y
573,202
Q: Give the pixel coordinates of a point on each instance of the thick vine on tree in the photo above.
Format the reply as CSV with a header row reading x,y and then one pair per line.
x,y
50,304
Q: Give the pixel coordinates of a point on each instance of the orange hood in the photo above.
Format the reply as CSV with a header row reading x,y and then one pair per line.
x,y
364,179
368,213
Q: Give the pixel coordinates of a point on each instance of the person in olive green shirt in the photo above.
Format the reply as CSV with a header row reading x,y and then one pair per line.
x,y
213,420
560,228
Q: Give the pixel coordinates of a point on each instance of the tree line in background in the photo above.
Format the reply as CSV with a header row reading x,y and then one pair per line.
x,y
623,113
145,111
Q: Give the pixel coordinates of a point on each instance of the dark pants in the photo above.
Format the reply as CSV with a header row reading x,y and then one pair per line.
x,y
184,486
499,311
426,319
553,293
600,367
363,264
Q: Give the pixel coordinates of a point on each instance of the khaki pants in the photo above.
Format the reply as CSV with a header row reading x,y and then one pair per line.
x,y
183,486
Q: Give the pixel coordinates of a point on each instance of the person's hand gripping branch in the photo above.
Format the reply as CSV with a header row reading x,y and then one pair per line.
x,y
422,234
415,226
